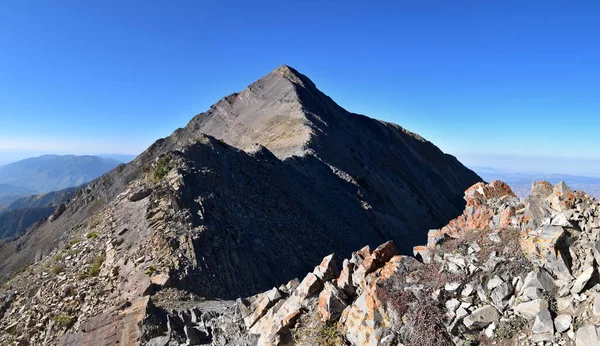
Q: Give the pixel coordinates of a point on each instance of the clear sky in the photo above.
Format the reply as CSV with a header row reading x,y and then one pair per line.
x,y
484,80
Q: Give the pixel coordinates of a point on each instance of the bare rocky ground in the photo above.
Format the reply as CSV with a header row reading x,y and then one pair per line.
x,y
508,271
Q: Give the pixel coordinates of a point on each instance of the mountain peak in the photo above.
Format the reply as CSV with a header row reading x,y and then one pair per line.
x,y
292,75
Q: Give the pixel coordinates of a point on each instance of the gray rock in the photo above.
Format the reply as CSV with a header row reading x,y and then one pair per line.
x,y
539,278
532,308
531,293
494,282
140,194
582,280
566,305
502,293
543,323
481,317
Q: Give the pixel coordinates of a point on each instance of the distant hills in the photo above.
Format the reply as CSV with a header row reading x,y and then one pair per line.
x,y
521,182
9,193
48,173
31,189
53,172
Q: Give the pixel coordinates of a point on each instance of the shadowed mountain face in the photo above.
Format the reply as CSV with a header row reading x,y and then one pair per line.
x,y
283,171
408,182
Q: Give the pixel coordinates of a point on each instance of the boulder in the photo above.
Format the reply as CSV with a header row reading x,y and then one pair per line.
x,y
582,280
539,278
366,321
344,281
140,194
562,323
259,308
561,198
532,308
587,336
161,280
378,258
502,293
327,270
481,317
332,301
543,325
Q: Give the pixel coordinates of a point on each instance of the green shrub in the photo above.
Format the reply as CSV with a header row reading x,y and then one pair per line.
x,y
360,195
64,321
329,335
151,270
162,168
75,241
58,269
95,268
92,235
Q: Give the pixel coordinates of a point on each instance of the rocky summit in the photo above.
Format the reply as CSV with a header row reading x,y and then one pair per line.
x,y
176,246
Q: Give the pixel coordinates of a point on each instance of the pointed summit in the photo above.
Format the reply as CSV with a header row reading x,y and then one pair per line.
x,y
292,75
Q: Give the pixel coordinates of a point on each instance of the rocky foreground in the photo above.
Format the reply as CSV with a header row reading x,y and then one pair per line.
x,y
507,271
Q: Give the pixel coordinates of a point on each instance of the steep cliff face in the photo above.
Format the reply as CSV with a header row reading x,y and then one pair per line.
x,y
248,195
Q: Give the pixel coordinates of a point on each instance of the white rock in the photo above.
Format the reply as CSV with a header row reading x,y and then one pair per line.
x,y
562,322
596,305
468,290
587,336
452,304
452,286
489,331
560,220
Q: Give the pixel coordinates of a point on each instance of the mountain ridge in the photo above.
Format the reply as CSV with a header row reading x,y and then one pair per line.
x,y
223,206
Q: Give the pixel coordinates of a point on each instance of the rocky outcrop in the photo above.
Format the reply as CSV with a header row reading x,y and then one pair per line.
x,y
485,281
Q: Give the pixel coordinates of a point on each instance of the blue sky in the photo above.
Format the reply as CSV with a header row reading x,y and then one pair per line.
x,y
492,82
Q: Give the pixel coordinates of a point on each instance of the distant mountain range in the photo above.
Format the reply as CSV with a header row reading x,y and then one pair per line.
x,y
9,193
31,189
521,182
48,173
